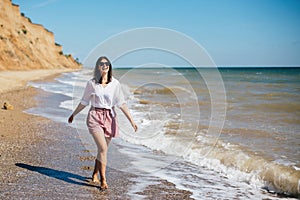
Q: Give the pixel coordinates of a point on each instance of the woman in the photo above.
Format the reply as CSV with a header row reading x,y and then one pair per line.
x,y
104,92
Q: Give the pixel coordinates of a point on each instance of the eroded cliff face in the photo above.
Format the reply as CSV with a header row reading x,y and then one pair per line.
x,y
25,45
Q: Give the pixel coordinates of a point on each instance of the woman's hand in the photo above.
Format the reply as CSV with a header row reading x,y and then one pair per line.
x,y
125,110
70,120
79,108
134,126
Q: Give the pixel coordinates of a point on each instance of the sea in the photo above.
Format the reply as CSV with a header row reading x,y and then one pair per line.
x,y
222,133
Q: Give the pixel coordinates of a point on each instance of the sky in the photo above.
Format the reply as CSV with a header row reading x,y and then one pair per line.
x,y
232,32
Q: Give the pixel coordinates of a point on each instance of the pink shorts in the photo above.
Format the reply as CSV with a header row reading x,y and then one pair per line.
x,y
100,119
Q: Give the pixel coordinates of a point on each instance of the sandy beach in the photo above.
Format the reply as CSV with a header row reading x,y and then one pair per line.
x,y
40,158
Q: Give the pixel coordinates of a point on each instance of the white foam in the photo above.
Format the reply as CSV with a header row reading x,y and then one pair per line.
x,y
53,88
284,162
69,104
200,180
296,168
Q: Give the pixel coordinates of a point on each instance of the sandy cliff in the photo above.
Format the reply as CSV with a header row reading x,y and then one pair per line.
x,y
25,45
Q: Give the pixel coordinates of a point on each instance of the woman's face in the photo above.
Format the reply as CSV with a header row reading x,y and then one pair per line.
x,y
103,66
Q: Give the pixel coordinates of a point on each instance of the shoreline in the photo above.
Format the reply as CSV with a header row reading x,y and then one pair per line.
x,y
37,154
14,80
43,158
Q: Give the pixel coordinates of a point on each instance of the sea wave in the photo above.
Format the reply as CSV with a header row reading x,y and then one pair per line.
x,y
226,158
178,138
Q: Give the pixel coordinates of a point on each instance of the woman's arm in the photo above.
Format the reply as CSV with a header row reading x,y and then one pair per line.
x,y
125,110
79,108
84,100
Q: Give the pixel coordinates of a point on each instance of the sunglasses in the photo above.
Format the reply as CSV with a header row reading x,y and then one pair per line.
x,y
104,63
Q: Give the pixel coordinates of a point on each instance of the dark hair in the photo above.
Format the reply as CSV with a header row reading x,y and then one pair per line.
x,y
97,74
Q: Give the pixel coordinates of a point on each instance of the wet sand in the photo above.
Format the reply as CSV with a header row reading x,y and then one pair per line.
x,y
42,159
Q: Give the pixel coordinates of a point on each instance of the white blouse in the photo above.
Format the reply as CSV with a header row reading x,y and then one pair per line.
x,y
103,97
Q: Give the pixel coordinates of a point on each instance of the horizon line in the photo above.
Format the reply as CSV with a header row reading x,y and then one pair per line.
x,y
204,67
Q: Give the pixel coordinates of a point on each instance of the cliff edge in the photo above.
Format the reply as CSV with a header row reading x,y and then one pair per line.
x,y
25,45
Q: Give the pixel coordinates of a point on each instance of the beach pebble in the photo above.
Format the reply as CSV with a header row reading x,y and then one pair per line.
x,y
7,106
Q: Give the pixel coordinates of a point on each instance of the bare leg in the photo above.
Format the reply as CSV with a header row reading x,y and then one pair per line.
x,y
97,165
100,163
96,172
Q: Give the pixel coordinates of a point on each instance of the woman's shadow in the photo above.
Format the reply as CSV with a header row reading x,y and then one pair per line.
x,y
61,175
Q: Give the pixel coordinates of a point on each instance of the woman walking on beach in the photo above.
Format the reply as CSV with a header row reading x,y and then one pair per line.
x,y
104,92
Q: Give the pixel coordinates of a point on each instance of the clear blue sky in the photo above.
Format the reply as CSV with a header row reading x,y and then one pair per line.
x,y
233,32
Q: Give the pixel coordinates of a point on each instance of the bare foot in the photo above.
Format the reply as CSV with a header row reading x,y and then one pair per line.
x,y
95,178
103,185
